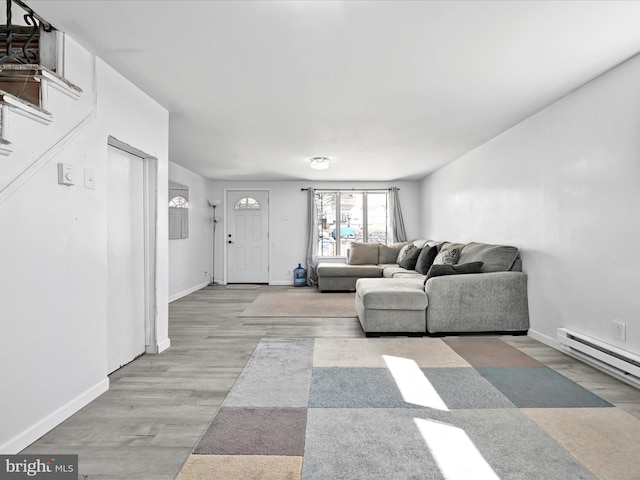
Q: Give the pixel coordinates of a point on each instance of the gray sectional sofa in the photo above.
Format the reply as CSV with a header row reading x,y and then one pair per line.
x,y
481,290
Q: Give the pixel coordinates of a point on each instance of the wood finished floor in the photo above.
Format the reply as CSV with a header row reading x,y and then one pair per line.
x,y
157,407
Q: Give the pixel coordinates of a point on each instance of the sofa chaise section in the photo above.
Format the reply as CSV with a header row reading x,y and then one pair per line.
x,y
387,305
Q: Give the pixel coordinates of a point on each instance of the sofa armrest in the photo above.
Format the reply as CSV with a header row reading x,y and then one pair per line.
x,y
478,302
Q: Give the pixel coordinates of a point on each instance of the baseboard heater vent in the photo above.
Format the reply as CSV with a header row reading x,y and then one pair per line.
x,y
613,360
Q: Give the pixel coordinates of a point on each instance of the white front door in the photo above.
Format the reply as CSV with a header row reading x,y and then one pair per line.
x,y
125,258
247,236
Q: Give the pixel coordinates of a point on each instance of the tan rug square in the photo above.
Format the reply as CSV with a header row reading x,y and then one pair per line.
x,y
241,467
368,352
605,440
490,352
306,303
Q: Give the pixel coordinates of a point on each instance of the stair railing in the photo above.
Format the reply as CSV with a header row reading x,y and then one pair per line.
x,y
33,20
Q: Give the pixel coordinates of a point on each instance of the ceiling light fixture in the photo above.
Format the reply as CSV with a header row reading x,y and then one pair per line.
x,y
319,163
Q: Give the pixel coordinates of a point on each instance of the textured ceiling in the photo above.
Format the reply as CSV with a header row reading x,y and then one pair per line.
x,y
387,90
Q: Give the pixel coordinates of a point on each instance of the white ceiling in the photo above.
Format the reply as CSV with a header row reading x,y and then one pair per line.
x,y
387,89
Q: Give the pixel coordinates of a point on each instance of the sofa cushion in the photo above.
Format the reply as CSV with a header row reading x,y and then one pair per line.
x,y
448,255
392,294
410,259
363,254
425,259
495,258
393,271
389,253
344,270
403,252
461,268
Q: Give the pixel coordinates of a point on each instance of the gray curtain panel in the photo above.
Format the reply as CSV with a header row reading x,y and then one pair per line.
x,y
397,222
312,238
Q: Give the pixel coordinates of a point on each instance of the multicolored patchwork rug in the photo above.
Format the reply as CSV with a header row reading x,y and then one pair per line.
x,y
460,408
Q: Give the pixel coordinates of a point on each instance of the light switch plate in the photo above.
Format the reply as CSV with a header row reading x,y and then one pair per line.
x,y
65,174
89,178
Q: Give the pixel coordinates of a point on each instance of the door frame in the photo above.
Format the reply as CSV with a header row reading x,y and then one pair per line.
x,y
226,230
150,232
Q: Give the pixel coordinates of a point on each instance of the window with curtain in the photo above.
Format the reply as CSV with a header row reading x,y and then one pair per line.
x,y
350,216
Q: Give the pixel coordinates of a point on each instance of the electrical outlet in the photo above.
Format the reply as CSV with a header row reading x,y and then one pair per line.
x,y
89,179
619,330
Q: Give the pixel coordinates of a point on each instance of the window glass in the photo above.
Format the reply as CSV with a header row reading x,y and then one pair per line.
x,y
351,220
247,203
377,222
179,202
326,205
345,217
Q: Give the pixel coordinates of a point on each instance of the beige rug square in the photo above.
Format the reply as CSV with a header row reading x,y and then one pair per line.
x,y
605,440
241,467
370,352
305,303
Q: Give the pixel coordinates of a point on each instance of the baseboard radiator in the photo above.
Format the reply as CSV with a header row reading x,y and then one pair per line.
x,y
613,360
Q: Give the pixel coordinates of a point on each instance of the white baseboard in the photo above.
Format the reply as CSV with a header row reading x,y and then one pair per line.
x,y
34,432
177,296
549,341
162,346
281,282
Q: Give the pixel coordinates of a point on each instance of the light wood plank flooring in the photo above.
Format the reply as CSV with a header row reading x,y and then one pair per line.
x,y
146,425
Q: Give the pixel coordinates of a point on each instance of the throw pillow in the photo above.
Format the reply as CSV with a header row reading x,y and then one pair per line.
x,y
495,258
389,253
409,261
447,256
425,259
363,254
461,268
403,252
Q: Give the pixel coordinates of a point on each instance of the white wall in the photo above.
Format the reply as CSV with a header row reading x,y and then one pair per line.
x,y
53,252
563,186
190,258
288,219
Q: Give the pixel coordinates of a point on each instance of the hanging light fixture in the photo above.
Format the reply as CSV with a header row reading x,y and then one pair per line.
x,y
319,163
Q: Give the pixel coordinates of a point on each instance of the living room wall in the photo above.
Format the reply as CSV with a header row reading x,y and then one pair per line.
x,y
563,186
53,252
190,258
288,219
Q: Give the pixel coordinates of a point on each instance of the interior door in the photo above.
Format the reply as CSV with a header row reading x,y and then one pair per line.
x,y
247,236
125,258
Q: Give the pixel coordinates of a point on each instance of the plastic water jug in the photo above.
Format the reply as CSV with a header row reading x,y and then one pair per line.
x,y
299,276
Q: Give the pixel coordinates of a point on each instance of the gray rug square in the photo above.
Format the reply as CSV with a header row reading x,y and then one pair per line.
x,y
540,387
501,444
465,388
355,388
255,431
277,375
441,388
350,444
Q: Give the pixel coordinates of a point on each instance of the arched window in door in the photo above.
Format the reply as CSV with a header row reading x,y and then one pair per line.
x,y
247,203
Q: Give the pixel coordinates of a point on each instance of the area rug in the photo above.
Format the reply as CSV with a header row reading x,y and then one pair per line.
x,y
302,303
411,408
242,286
